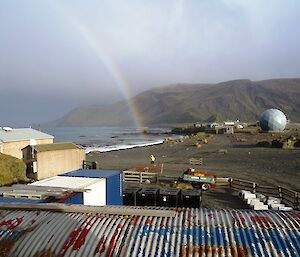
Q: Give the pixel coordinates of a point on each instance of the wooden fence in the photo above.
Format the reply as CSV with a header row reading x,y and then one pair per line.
x,y
288,197
194,161
139,177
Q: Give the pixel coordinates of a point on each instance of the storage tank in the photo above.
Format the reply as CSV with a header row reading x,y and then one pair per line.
x,y
113,182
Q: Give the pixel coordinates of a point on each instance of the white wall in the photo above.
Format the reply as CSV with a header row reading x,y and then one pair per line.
x,y
96,195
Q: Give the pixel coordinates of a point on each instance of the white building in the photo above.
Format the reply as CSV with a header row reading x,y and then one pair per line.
x,y
13,140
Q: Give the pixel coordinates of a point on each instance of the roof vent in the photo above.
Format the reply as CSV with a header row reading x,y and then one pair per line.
x,y
7,129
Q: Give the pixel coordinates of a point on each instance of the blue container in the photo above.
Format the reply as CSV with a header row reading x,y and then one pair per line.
x,y
21,200
114,195
75,199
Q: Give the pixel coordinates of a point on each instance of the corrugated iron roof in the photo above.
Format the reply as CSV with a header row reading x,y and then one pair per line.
x,y
20,134
190,232
91,173
56,147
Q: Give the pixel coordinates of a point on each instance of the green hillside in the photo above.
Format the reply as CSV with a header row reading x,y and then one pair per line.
x,y
12,170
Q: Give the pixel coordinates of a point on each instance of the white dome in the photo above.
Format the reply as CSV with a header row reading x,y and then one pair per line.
x,y
272,120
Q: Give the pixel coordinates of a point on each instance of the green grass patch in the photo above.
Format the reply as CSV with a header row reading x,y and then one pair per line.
x,y
12,170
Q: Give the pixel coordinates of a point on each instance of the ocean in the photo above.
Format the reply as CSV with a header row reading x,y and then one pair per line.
x,y
106,139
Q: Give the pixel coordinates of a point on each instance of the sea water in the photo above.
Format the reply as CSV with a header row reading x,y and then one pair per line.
x,y
104,139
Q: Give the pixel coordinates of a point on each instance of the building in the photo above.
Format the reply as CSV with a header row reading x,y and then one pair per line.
x,y
99,187
229,123
70,230
212,125
12,141
48,160
224,130
113,182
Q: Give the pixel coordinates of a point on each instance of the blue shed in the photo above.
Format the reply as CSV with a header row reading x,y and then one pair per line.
x,y
114,194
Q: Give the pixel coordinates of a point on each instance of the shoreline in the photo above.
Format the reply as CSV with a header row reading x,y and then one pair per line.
x,y
120,147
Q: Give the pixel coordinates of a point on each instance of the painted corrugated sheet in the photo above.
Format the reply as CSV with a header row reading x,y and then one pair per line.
x,y
77,198
114,190
191,232
20,200
114,194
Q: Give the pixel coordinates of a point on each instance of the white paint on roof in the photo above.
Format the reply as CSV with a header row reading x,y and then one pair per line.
x,y
67,182
20,134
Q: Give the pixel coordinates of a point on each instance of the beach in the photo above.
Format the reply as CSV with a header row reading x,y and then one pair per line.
x,y
235,156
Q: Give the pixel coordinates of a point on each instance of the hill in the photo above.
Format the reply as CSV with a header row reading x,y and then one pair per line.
x,y
181,103
12,170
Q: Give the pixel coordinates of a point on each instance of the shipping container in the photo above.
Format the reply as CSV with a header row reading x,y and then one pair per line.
x,y
169,197
191,198
129,196
95,194
147,197
113,180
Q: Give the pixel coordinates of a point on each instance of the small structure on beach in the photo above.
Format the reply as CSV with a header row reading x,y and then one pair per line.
x,y
224,130
48,160
12,140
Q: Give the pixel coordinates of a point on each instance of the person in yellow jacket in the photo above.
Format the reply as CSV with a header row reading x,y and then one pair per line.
x,y
152,159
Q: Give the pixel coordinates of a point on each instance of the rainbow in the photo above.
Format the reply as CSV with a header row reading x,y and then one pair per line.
x,y
108,62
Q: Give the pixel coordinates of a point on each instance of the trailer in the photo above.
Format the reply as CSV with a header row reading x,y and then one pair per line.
x,y
199,179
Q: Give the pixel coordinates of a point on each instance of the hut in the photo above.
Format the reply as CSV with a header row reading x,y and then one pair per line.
x,y
13,140
48,160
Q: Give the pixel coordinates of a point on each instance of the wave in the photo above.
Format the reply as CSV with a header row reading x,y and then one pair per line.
x,y
110,148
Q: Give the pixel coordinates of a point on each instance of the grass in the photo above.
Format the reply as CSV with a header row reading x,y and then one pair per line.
x,y
12,170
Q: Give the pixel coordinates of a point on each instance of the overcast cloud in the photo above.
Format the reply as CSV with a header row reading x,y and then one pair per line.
x,y
56,55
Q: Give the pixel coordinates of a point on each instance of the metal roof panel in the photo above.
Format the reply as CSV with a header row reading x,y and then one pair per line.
x,y
21,134
191,232
91,173
66,182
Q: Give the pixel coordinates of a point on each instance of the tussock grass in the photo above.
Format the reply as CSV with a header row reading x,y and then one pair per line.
x,y
12,170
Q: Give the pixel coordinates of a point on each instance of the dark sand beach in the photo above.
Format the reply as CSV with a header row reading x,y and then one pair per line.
x,y
235,156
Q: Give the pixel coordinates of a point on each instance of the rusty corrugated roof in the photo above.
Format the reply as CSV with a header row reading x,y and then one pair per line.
x,y
190,232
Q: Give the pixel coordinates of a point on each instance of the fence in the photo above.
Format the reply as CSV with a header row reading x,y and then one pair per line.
x,y
194,161
139,177
287,196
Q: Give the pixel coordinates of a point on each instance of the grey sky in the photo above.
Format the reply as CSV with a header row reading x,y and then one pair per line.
x,y
56,55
